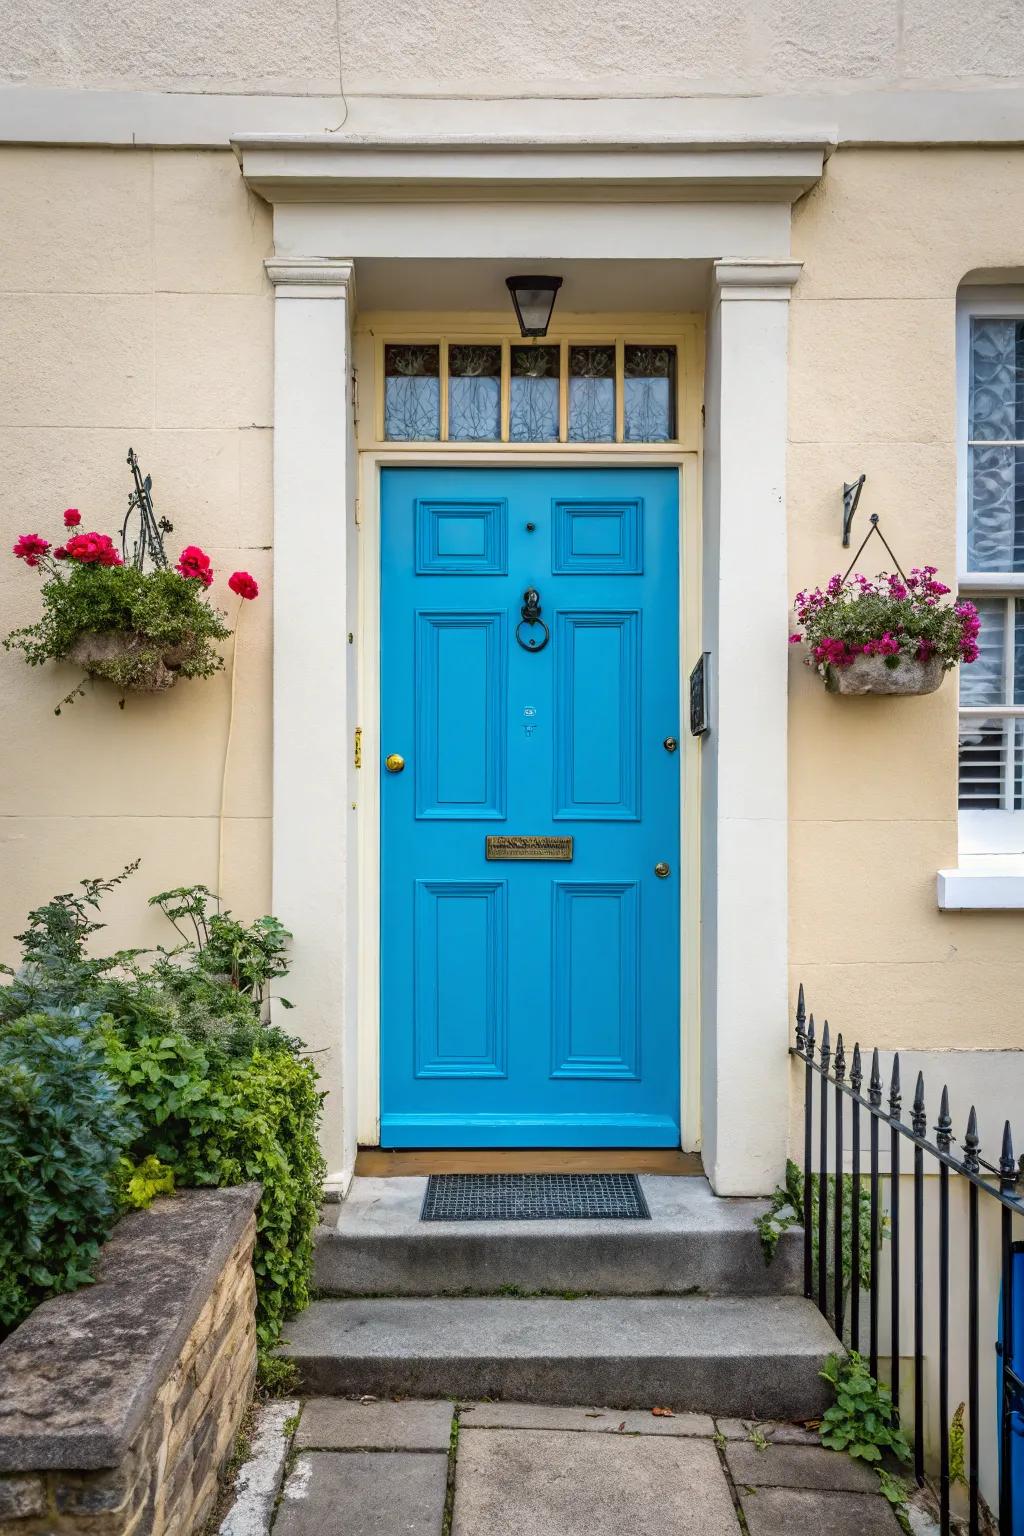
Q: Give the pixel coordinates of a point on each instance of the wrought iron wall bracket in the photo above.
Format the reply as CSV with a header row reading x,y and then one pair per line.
x,y
851,496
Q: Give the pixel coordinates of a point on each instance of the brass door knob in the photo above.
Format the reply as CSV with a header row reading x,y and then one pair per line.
x,y
662,871
670,744
394,763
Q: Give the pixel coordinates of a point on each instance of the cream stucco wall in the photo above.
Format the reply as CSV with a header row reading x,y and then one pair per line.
x,y
399,47
886,237
134,310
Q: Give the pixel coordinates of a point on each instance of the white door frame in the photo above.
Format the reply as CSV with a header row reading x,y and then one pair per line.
x,y
367,957
520,202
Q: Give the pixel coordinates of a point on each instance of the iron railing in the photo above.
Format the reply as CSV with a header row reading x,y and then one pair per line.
x,y
1001,1182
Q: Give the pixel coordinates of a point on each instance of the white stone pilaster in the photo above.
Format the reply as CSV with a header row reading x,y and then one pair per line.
x,y
745,1076
313,849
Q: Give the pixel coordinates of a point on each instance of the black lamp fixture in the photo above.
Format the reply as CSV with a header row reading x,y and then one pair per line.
x,y
534,299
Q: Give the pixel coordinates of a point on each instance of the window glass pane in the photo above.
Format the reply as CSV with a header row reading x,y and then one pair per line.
x,y
592,394
1018,651
474,394
997,378
986,754
412,393
649,394
995,514
533,394
983,682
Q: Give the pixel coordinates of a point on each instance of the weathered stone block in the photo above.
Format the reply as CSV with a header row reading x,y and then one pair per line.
x,y
21,1496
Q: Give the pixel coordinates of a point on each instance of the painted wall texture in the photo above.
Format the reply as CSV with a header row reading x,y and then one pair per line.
x,y
134,311
401,46
886,238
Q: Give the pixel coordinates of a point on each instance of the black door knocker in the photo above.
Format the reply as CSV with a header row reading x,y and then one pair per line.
x,y
531,615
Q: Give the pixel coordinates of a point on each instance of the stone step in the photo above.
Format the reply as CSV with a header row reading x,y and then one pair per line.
x,y
741,1357
695,1241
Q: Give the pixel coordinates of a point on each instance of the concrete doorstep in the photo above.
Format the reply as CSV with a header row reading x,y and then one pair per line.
x,y
379,1467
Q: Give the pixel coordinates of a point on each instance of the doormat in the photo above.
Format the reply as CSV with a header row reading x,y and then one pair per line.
x,y
534,1197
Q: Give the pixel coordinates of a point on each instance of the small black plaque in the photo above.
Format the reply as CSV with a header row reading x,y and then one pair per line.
x,y
700,721
555,850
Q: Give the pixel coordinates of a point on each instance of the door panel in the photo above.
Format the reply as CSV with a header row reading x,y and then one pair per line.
x,y
529,1003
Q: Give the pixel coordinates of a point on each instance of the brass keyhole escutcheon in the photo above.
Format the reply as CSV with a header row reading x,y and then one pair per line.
x,y
670,744
662,871
394,763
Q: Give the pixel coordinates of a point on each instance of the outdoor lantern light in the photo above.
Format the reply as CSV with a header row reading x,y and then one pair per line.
x,y
534,299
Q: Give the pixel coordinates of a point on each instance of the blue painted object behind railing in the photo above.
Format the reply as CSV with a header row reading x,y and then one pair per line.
x,y
1016,1358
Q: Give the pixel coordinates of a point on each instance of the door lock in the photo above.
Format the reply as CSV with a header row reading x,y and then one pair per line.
x,y
662,871
394,763
670,744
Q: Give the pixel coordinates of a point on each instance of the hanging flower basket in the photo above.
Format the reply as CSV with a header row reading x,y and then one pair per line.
x,y
893,635
140,629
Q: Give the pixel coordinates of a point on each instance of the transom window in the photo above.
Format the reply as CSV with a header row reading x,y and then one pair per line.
x,y
604,391
992,575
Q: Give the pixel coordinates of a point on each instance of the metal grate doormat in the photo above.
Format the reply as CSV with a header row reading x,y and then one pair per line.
x,y
534,1197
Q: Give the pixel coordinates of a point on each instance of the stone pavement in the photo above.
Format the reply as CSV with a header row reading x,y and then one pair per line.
x,y
510,1469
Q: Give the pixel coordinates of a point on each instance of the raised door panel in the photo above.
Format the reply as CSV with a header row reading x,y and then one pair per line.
x,y
461,967
597,538
461,538
596,971
597,716
461,715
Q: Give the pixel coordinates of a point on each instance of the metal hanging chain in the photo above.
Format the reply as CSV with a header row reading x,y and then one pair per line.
x,y
876,529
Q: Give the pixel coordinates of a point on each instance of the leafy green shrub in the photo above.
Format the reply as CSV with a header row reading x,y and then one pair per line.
x,y
198,1088
862,1421
65,1128
786,1210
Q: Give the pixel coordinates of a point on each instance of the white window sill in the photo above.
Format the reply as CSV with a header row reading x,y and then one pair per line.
x,y
983,883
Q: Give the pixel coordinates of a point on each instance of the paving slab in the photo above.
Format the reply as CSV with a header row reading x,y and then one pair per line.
x,y
783,1511
364,1494
259,1478
335,1424
586,1420
560,1483
798,1466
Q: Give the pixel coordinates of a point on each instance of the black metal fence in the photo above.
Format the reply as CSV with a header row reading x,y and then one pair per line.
x,y
841,1080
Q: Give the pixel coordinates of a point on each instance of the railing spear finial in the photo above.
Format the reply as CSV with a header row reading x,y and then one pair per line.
x,y
839,1066
856,1072
918,1116
1007,1161
875,1085
895,1095
944,1128
810,1038
801,1016
825,1051
972,1146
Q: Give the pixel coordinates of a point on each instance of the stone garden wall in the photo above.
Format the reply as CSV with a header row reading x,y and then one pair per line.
x,y
119,1404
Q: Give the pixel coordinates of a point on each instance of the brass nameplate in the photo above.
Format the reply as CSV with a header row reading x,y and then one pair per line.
x,y
557,849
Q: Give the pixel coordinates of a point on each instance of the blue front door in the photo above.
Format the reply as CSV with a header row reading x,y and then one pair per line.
x,y
530,1001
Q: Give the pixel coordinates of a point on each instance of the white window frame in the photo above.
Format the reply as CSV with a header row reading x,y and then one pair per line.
x,y
984,831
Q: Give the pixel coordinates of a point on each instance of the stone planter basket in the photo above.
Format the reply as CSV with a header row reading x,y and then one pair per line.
x,y
95,651
870,674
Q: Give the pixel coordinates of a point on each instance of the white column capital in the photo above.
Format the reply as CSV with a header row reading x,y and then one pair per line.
x,y
311,277
754,278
